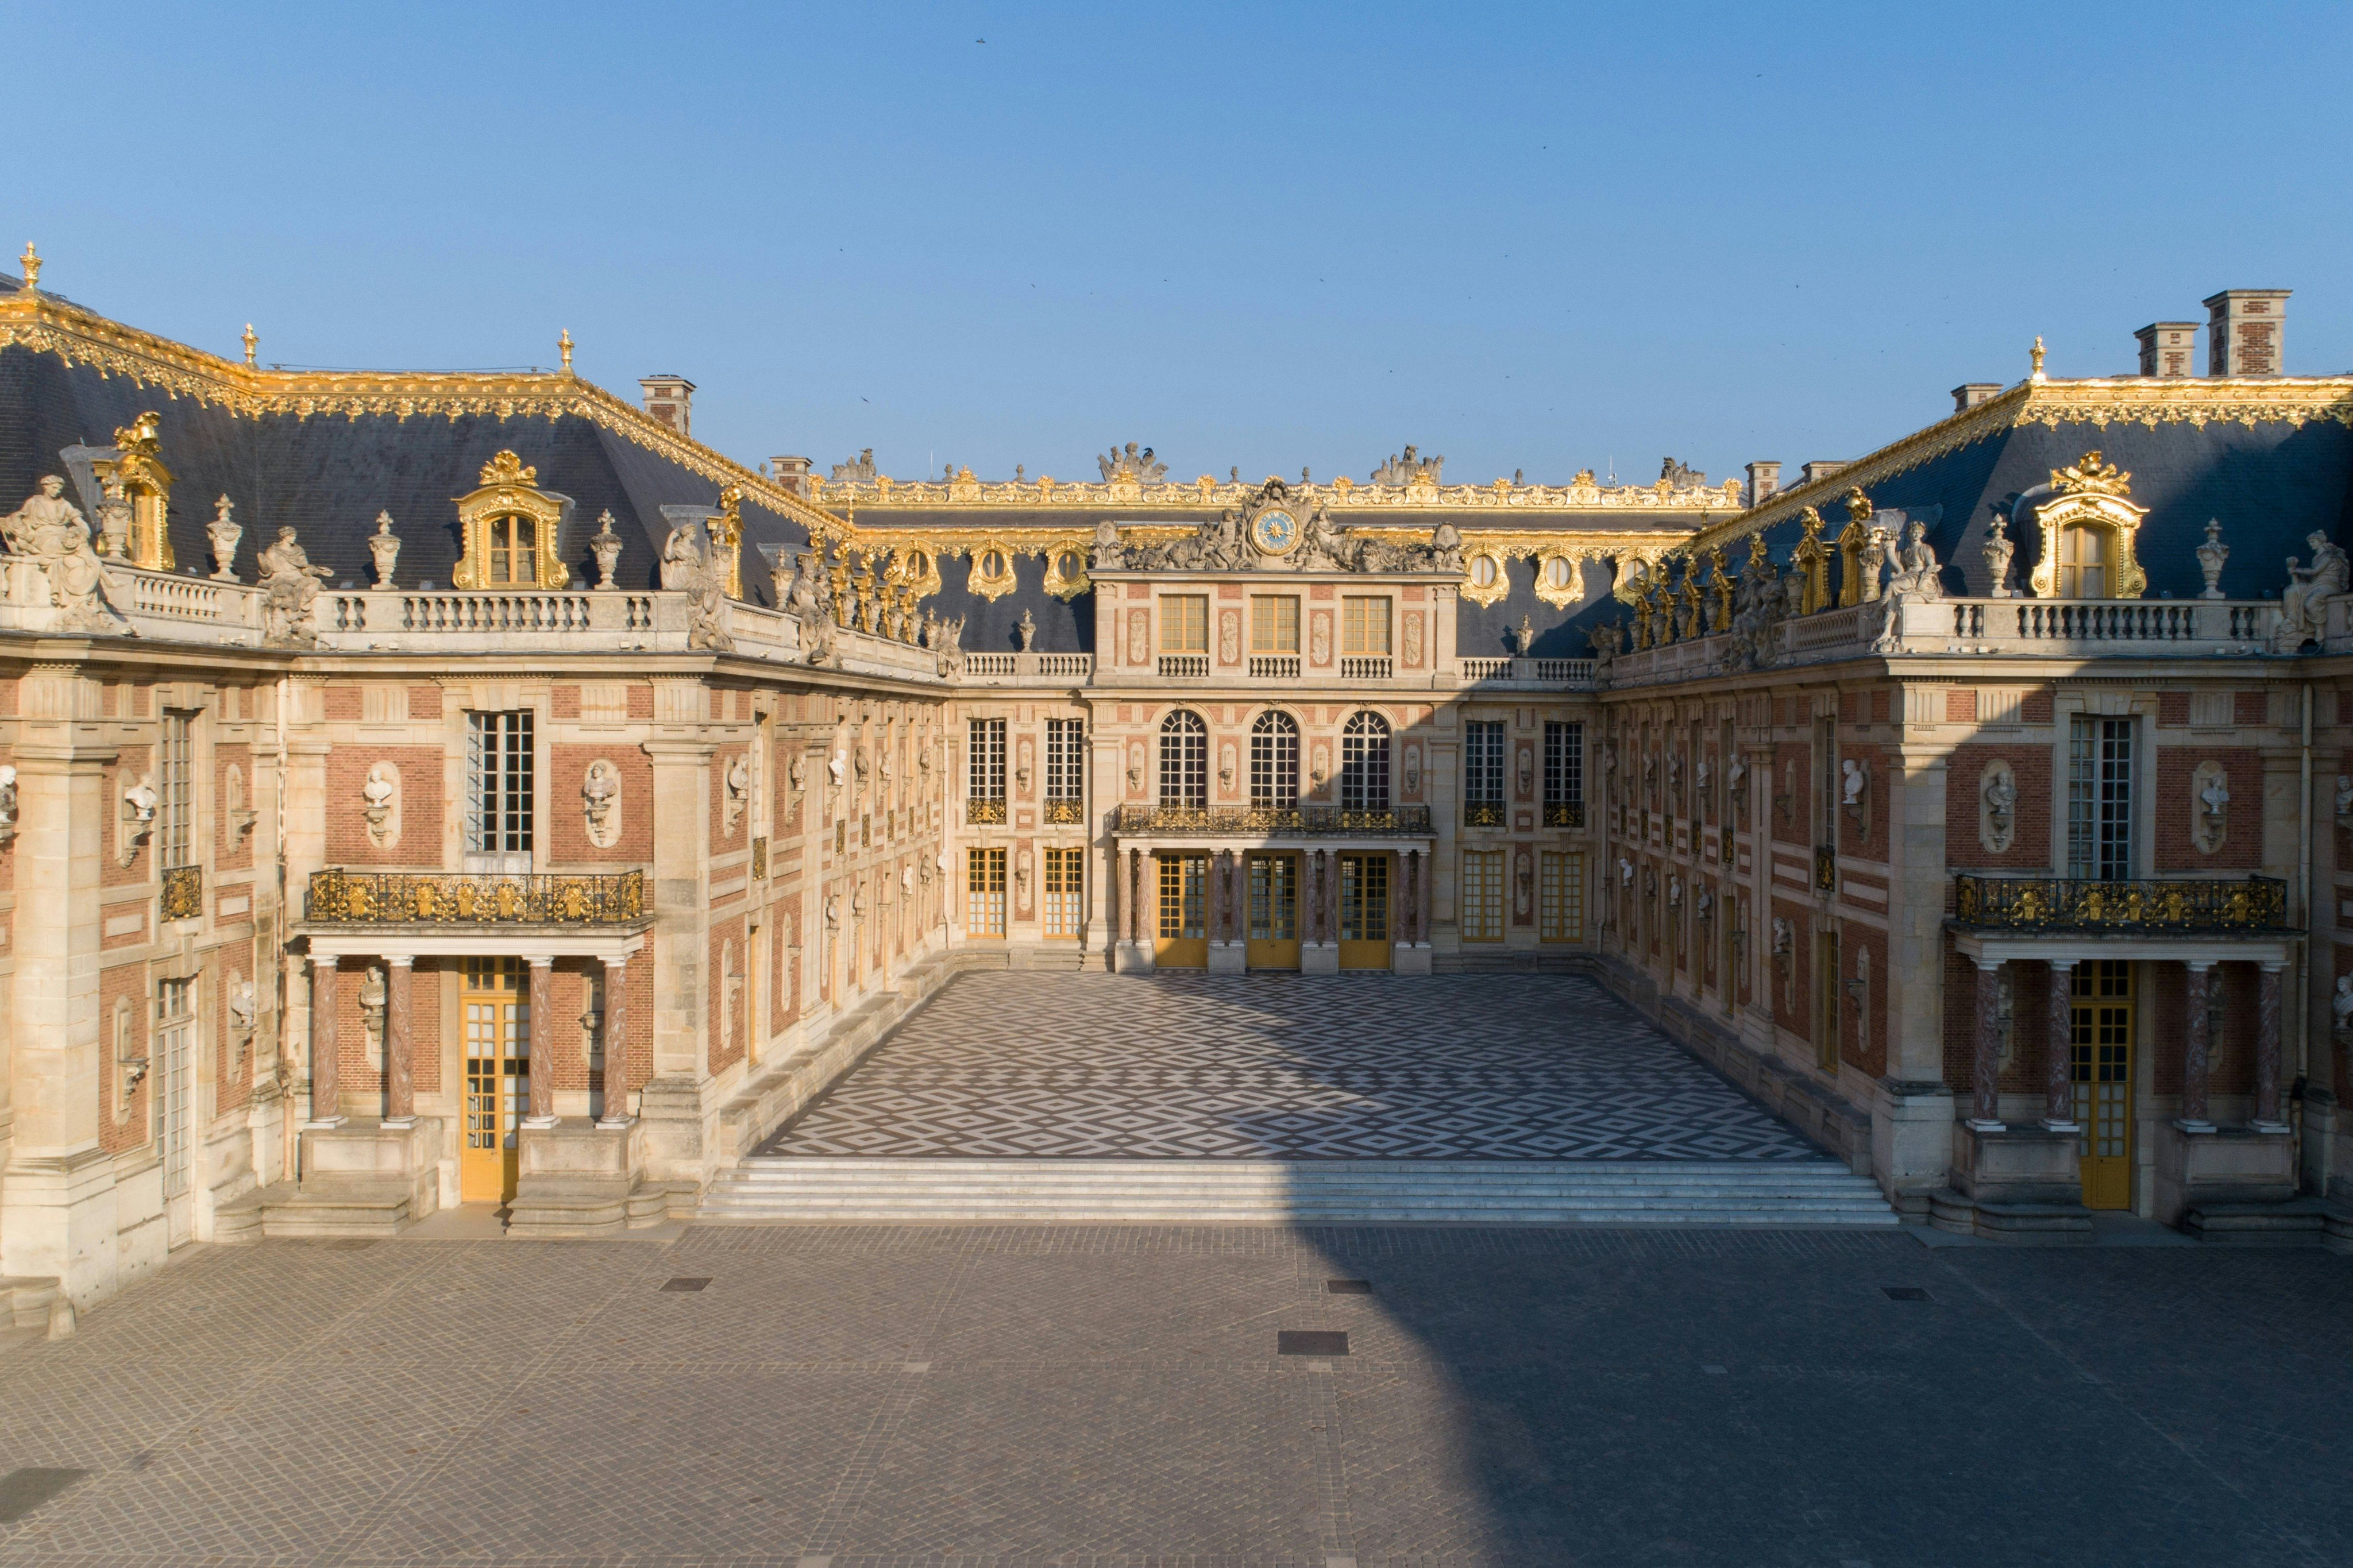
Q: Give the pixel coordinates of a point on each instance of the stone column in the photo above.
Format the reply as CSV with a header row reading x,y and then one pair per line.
x,y
543,1057
1412,911
326,1074
1135,895
399,1069
617,1043
1985,1110
2058,1077
2267,1051
2196,1054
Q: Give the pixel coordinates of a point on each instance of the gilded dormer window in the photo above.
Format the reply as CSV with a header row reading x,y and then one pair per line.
x,y
510,527
2088,535
135,481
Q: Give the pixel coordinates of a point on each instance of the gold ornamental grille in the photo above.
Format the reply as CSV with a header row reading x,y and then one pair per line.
x,y
444,898
1265,820
2186,906
183,892
1063,811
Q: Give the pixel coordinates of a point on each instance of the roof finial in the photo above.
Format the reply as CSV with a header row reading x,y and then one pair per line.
x,y
564,347
252,342
2037,357
32,270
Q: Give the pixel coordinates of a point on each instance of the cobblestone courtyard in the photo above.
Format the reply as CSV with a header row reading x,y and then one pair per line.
x,y
1359,1067
1037,1395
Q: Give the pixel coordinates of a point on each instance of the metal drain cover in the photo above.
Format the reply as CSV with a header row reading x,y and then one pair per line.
x,y
1310,1341
684,1284
1348,1287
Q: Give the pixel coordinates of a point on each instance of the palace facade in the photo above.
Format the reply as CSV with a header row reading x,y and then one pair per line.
x,y
424,788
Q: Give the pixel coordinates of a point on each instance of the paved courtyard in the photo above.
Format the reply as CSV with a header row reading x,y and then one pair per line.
x,y
1457,1067
1094,1396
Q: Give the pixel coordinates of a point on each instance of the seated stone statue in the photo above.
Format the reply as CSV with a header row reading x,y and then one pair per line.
x,y
2304,613
1917,571
48,530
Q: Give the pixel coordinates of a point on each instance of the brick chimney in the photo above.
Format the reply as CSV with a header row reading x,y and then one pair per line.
x,y
793,473
2244,329
1764,480
671,399
2169,348
1969,394
1820,468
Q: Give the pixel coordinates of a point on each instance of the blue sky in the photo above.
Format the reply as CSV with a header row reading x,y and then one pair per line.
x,y
1267,236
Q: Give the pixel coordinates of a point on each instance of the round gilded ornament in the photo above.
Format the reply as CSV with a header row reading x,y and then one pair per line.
x,y
1274,532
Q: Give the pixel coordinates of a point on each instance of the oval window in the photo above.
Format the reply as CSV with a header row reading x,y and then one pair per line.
x,y
1069,564
1559,572
1482,571
993,564
916,564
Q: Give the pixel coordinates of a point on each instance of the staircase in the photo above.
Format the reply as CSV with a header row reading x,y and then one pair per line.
x,y
767,1188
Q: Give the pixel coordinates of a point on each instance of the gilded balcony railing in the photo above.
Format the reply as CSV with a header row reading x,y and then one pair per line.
x,y
456,897
2185,906
1288,821
1482,813
1065,811
183,892
984,813
1563,814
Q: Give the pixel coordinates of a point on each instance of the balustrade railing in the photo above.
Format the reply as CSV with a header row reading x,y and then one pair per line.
x,y
462,897
1184,666
2183,905
1274,666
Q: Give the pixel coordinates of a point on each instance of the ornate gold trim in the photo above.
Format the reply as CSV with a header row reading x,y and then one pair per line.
x,y
984,583
137,471
1472,589
510,490
1066,571
2091,495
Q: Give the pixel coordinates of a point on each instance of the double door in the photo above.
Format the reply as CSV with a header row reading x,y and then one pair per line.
x,y
495,1003
1270,912
1366,889
2100,1063
1181,928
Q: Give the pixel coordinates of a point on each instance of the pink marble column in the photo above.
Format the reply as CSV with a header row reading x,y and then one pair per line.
x,y
1411,914
1985,1109
1135,895
617,1043
2197,1054
543,1059
326,1067
2267,1050
2059,1035
399,1065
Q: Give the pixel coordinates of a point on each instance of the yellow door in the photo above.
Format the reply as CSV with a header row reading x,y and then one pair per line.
x,y
1364,911
1273,941
496,1006
1184,941
2100,1064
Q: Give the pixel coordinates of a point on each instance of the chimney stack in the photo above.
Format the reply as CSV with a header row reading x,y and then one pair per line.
x,y
1969,394
1820,468
793,473
1764,480
2169,348
671,399
2244,329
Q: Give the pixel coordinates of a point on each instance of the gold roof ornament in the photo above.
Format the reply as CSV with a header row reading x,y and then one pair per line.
x,y
506,469
251,344
32,270
2092,476
2036,356
564,347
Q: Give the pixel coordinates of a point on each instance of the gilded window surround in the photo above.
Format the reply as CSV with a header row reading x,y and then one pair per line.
x,y
136,471
510,489
2091,495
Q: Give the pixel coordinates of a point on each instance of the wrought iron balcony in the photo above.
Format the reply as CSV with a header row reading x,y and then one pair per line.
x,y
1563,814
984,813
1065,811
456,897
1275,821
1482,813
2182,906
183,892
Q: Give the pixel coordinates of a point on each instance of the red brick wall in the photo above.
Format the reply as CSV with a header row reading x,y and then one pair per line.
x,y
360,1077
1864,1040
128,767
1793,997
2173,708
128,983
2178,810
1792,760
563,702
424,702
722,840
234,1080
2035,706
725,935
641,701
342,704
2247,708
232,850
2031,816
567,835
1869,841
420,806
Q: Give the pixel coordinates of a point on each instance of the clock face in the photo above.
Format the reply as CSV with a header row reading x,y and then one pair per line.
x,y
1274,532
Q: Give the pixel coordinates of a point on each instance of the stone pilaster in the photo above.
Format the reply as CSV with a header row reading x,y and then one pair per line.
x,y
2267,1051
616,1044
2058,1075
1985,1109
2197,1053
326,1065
1912,1142
542,1042
399,1065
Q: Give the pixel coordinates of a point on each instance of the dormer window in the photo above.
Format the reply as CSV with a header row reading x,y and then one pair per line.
x,y
513,551
513,531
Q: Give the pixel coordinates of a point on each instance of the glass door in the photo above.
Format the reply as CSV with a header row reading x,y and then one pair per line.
x,y
1274,940
1364,910
1183,939
175,1031
2100,1062
497,1011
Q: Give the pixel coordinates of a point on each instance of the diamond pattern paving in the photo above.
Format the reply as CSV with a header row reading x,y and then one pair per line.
x,y
1062,1066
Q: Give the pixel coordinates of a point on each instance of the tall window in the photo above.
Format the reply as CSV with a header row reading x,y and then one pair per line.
x,y
498,783
1065,887
2099,800
1184,761
1561,893
1365,624
983,909
985,797
514,551
1563,774
1364,897
1066,753
1184,623
1364,763
1274,759
176,811
1274,623
1482,895
1482,772
2082,563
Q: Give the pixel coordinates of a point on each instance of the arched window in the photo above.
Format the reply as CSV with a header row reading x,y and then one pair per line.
x,y
1364,763
1184,761
2083,562
1274,761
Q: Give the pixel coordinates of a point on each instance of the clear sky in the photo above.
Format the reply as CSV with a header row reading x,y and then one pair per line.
x,y
1267,236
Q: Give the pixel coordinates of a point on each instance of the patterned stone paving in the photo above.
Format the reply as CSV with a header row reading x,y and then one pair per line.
x,y
1037,1065
1040,1397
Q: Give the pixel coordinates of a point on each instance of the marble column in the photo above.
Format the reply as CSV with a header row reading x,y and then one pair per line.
x,y
2059,1034
399,1060
616,1044
1406,917
2267,1050
326,1068
1985,1110
2197,1053
1135,895
542,1035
